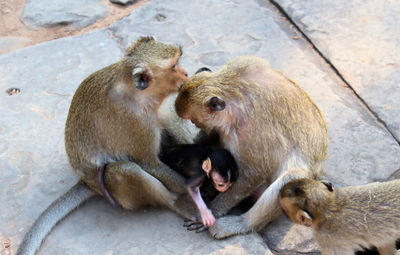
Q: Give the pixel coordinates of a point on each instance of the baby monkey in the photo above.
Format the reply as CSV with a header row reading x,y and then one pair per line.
x,y
346,219
198,164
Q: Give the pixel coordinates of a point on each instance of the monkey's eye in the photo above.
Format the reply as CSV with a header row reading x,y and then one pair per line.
x,y
174,65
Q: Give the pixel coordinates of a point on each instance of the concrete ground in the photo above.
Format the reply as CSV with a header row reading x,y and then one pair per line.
x,y
345,54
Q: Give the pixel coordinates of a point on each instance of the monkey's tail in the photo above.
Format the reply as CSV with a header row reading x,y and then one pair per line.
x,y
60,208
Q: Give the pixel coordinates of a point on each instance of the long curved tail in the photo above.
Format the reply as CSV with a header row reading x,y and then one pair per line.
x,y
60,208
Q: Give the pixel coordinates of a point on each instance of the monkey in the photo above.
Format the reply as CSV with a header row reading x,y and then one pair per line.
x,y
113,132
346,219
197,162
270,125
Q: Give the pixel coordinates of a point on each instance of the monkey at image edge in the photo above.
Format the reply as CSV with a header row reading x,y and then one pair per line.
x,y
346,220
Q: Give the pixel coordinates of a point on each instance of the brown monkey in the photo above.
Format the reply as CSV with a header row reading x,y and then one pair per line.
x,y
346,219
270,125
113,123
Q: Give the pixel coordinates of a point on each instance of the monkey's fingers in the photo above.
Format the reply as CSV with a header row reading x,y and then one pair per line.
x,y
188,223
191,225
201,229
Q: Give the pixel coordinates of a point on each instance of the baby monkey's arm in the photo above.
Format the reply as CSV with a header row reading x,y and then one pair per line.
x,y
194,185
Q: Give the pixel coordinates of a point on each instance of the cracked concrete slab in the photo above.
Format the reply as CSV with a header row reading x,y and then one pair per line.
x,y
48,13
32,125
361,39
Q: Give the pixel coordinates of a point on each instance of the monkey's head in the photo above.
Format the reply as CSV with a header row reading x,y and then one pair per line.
x,y
222,100
221,168
154,66
304,201
202,100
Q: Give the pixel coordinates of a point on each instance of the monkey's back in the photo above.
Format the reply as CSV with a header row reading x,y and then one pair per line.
x,y
93,118
281,119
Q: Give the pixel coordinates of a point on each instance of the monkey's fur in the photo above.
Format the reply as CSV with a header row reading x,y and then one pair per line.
x,y
113,121
270,125
347,218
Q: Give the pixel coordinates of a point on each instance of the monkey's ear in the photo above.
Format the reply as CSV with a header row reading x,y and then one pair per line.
x,y
203,69
140,77
328,185
304,218
207,166
215,104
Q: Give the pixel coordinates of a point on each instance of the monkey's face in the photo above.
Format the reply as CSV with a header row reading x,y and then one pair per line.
x,y
218,182
175,74
169,76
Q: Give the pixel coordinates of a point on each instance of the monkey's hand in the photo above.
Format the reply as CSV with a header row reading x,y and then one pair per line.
x,y
194,225
197,225
229,226
207,217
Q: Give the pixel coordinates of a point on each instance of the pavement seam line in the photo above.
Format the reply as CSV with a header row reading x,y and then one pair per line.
x,y
116,38
334,69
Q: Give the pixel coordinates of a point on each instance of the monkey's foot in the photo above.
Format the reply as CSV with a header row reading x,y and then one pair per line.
x,y
228,226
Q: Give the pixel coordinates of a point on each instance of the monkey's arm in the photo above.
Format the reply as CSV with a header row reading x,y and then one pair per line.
x,y
264,211
207,217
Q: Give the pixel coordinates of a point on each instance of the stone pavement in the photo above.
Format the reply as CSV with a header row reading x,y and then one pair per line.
x,y
345,55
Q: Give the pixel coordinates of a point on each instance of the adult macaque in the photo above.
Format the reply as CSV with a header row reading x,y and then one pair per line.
x,y
346,219
270,125
113,133
199,163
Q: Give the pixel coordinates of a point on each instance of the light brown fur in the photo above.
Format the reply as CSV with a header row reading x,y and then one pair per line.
x,y
114,121
268,122
347,218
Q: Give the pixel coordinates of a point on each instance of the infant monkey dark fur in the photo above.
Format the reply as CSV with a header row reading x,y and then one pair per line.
x,y
196,162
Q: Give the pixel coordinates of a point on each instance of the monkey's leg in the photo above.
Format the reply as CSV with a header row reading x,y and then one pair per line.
x,y
133,187
265,210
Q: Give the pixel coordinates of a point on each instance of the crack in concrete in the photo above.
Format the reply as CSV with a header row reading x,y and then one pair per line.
x,y
373,114
116,38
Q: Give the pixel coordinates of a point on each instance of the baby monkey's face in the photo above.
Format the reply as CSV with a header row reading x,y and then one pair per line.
x,y
218,182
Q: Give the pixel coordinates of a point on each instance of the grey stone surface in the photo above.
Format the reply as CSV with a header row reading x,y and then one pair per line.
x,y
146,231
361,38
35,169
32,156
49,13
8,43
284,238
